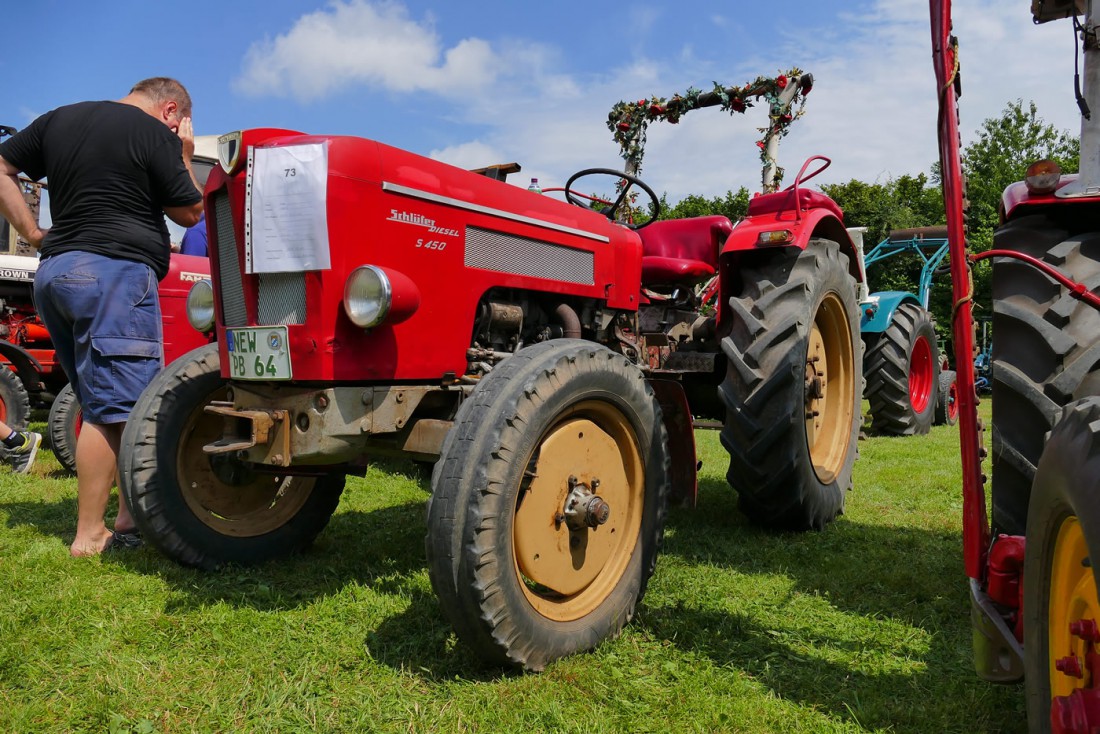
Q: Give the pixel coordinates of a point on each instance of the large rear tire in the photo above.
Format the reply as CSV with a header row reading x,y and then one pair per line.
x,y
792,388
15,404
1046,351
64,424
209,511
523,568
1060,604
901,368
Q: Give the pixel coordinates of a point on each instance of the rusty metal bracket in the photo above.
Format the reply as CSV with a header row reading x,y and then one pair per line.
x,y
260,428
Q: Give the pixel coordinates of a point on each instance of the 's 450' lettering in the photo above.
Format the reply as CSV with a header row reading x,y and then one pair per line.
x,y
431,244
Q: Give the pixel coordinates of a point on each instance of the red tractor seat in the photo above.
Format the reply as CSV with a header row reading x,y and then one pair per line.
x,y
682,251
784,200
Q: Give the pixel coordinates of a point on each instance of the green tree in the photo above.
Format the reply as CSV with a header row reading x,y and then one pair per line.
x,y
732,205
1000,156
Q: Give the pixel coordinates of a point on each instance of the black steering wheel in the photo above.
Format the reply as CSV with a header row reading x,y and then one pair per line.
x,y
612,209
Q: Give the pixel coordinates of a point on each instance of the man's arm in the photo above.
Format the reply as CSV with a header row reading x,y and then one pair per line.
x,y
14,207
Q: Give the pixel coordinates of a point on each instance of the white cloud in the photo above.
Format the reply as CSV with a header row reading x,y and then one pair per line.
x,y
872,111
361,42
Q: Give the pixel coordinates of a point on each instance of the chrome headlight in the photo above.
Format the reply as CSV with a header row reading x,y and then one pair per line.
x,y
368,296
200,306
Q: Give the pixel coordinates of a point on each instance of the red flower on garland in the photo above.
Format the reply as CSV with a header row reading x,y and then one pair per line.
x,y
737,104
624,126
781,81
760,144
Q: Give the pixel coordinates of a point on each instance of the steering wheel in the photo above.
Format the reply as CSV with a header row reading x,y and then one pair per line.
x,y
611,209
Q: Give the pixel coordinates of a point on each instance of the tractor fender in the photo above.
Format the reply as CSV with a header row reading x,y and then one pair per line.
x,y
676,415
814,222
875,315
25,365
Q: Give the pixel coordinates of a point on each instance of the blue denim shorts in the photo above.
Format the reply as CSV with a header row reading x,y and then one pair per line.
x,y
103,316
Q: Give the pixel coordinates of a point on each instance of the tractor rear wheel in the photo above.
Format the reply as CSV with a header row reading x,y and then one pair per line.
x,y
204,510
15,404
64,424
947,399
548,504
1045,351
1060,607
792,387
900,367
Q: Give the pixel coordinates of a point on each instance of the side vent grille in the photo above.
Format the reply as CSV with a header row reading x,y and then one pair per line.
x,y
505,253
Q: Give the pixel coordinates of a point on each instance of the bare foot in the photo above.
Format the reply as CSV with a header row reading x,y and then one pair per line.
x,y
94,547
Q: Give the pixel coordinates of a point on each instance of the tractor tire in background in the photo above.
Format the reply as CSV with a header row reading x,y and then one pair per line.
x,y
64,427
15,404
792,387
900,366
548,504
947,399
1060,603
202,510
1046,352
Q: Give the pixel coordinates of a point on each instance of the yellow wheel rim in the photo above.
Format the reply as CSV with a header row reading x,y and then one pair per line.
x,y
830,388
252,505
565,572
1072,598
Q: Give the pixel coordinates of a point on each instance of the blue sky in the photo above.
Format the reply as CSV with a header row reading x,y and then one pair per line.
x,y
475,83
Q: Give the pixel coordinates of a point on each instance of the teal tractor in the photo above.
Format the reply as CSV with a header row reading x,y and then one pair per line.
x,y
909,386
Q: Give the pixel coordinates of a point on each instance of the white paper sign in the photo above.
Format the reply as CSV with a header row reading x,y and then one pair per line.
x,y
288,227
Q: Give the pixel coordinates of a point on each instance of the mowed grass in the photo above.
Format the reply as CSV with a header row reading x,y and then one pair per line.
x,y
862,627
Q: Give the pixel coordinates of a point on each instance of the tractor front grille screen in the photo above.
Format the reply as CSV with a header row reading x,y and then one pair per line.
x,y
505,253
282,299
229,265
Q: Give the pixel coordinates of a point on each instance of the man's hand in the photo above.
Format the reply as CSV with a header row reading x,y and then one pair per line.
x,y
36,236
187,136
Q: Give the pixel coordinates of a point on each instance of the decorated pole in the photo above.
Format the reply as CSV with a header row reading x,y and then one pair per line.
x,y
628,120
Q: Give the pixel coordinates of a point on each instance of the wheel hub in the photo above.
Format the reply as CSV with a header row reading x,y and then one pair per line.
x,y
583,508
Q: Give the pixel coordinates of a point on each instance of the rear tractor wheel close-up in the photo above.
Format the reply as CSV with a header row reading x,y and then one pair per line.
x,y
1060,607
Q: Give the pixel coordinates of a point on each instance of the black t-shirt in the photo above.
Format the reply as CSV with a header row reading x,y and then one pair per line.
x,y
112,168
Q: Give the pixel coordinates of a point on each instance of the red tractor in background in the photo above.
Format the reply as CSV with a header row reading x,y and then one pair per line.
x,y
31,376
1033,583
551,360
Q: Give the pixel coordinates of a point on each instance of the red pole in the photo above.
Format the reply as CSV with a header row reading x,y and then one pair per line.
x,y
975,521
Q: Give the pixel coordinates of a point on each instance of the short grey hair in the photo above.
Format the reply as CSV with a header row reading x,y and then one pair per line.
x,y
163,89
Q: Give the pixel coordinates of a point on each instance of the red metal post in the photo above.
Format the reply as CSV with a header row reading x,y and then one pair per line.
x,y
975,520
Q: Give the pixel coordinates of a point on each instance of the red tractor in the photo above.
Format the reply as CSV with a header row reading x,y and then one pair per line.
x,y
1032,580
551,360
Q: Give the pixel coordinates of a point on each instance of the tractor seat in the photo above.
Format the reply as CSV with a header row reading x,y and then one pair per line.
x,y
682,251
784,200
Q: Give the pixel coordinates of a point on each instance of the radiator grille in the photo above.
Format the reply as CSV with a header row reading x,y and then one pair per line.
x,y
505,253
282,299
229,266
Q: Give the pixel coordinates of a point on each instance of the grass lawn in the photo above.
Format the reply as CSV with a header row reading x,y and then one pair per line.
x,y
862,627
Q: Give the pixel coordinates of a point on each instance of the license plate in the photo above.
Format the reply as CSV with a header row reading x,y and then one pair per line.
x,y
258,353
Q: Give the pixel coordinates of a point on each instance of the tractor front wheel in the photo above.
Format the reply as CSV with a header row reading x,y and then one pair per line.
x,y
1060,607
15,404
947,399
209,510
792,387
548,504
64,424
901,366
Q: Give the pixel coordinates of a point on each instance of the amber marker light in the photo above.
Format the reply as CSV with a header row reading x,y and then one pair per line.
x,y
777,237
1042,177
